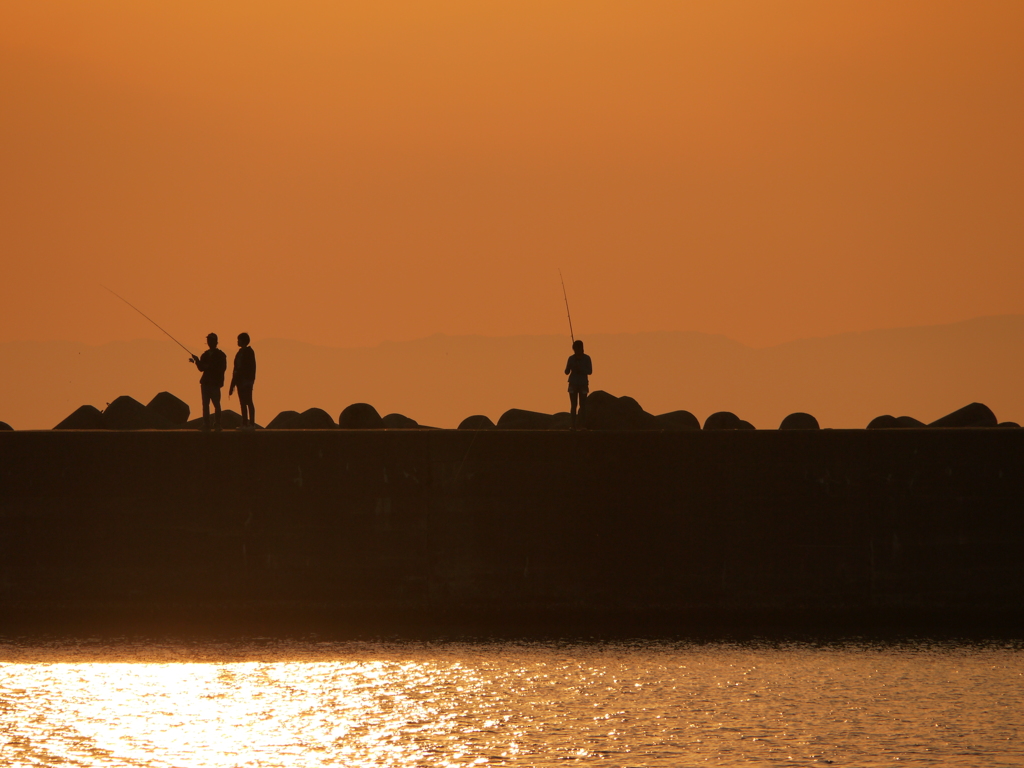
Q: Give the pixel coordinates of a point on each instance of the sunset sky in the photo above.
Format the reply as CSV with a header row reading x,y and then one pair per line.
x,y
352,173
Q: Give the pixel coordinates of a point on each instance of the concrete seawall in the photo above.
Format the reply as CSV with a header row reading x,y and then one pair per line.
x,y
515,533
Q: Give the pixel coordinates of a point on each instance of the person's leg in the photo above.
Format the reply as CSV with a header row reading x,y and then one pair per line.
x,y
245,400
242,406
583,409
572,407
206,408
215,396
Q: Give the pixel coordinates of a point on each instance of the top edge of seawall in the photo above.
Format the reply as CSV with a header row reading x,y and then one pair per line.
x,y
506,431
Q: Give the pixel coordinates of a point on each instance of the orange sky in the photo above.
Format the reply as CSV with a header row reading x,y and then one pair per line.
x,y
349,173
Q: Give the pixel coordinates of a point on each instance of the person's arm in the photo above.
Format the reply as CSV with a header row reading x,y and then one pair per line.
x,y
200,364
568,366
590,366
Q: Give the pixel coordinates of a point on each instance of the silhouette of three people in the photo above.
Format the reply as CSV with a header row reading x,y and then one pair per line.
x,y
213,364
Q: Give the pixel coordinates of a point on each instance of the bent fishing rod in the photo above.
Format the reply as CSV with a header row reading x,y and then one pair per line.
x,y
122,298
567,313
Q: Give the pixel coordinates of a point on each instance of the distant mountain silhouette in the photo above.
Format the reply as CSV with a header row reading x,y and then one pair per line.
x,y
843,380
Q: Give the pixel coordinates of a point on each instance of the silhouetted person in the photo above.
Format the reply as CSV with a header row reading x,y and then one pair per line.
x,y
213,364
578,369
243,376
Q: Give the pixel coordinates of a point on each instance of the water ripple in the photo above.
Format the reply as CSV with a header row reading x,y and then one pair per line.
x,y
318,704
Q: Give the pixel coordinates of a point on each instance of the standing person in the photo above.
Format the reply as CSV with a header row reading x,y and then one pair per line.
x,y
578,369
213,364
243,376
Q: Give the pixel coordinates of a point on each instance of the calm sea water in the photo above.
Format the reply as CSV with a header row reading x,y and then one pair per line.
x,y
317,704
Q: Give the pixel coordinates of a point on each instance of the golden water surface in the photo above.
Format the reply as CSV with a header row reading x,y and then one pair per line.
x,y
302,704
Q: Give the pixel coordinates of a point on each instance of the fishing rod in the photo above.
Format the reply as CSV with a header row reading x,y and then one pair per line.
x,y
122,298
567,314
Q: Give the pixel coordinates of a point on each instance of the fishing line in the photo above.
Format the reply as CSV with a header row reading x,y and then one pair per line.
x,y
122,298
567,314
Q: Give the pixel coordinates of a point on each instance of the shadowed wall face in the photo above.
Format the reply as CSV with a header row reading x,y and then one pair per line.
x,y
367,523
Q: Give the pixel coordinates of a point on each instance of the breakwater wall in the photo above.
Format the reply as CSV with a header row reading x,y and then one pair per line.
x,y
511,532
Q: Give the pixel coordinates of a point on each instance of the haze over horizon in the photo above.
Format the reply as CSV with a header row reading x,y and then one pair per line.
x,y
349,174
362,177
844,380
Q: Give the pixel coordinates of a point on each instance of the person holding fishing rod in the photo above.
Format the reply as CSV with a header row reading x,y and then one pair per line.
x,y
213,364
578,368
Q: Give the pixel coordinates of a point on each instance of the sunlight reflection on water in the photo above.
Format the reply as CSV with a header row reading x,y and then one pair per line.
x,y
317,704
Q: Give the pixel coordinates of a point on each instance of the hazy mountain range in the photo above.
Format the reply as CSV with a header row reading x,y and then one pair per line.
x,y
844,380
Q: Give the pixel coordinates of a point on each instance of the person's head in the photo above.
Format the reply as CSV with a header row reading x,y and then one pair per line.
x,y
577,346
243,339
211,340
